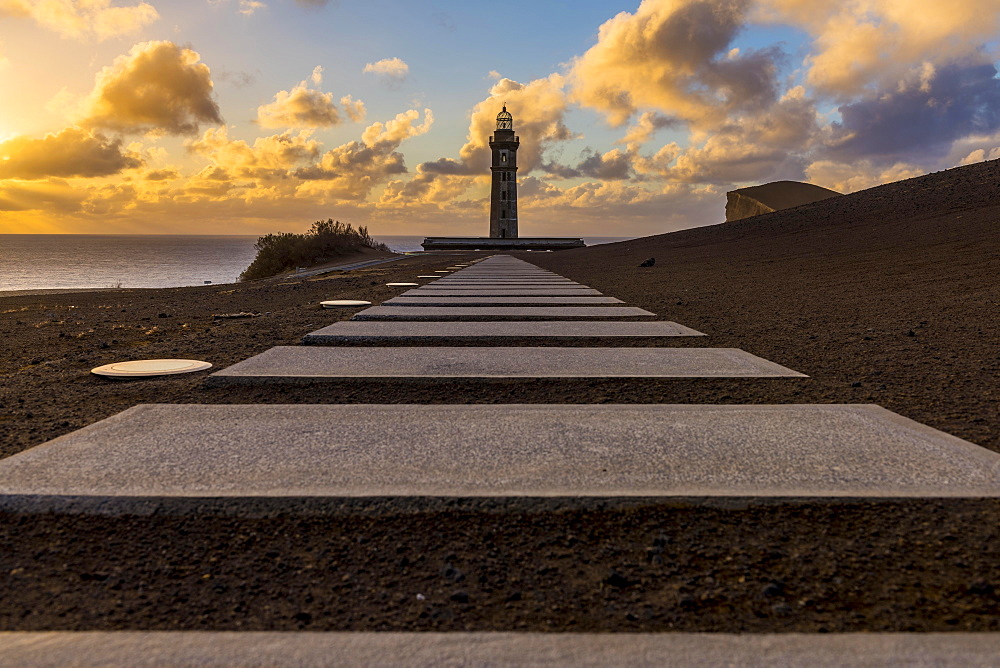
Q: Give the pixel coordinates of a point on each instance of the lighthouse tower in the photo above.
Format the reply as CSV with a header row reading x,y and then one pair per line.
x,y
503,194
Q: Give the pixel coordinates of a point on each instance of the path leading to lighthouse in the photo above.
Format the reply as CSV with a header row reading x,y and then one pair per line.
x,y
405,458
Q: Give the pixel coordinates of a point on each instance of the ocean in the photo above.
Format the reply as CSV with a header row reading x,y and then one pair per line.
x,y
53,261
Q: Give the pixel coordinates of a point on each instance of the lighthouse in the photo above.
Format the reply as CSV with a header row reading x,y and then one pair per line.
x,y
503,193
503,203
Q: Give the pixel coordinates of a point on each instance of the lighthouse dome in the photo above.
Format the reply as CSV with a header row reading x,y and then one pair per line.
x,y
504,120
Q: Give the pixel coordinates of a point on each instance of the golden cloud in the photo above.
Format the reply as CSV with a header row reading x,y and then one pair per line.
x,y
157,87
440,191
538,107
71,152
305,107
350,171
643,129
674,56
859,43
83,18
268,158
299,108
766,147
52,195
391,70
857,175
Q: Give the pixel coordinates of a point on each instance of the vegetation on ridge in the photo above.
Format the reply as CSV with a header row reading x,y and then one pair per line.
x,y
324,241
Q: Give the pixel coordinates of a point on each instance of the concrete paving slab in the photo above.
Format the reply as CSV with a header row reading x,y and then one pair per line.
x,y
486,313
502,270
477,271
257,649
480,300
310,363
437,285
505,286
404,454
388,332
500,292
488,269
457,278
508,279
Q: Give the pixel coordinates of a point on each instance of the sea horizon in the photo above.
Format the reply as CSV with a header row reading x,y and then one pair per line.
x,y
95,261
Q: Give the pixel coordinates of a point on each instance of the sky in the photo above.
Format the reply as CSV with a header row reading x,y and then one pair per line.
x,y
635,118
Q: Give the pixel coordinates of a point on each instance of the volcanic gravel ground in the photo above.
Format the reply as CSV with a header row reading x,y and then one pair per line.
x,y
887,296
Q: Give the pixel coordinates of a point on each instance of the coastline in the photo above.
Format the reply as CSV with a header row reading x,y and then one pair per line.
x,y
349,261
60,291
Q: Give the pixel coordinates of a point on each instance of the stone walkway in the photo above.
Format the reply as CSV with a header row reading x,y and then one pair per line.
x,y
373,331
541,650
312,364
408,455
492,300
440,314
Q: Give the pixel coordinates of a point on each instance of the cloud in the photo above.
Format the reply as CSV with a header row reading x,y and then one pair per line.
x,y
973,148
83,18
764,147
249,7
858,175
644,128
743,148
860,45
51,196
674,56
355,109
157,87
312,4
350,171
539,110
71,152
981,154
168,174
301,108
236,79
392,71
442,192
614,165
598,208
268,158
306,107
919,120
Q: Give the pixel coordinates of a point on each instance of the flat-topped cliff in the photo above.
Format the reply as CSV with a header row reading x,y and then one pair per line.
x,y
755,200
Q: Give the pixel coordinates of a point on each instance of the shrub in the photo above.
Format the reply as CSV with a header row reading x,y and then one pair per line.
x,y
324,241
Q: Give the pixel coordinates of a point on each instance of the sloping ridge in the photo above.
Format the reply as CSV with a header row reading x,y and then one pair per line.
x,y
770,197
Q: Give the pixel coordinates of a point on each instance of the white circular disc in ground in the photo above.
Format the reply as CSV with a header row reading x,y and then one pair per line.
x,y
138,368
428,276
441,271
401,285
346,303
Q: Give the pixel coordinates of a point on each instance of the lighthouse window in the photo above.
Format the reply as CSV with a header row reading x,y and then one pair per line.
x,y
503,157
503,195
503,213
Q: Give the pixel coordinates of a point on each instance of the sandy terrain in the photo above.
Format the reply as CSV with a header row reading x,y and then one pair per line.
x,y
888,296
